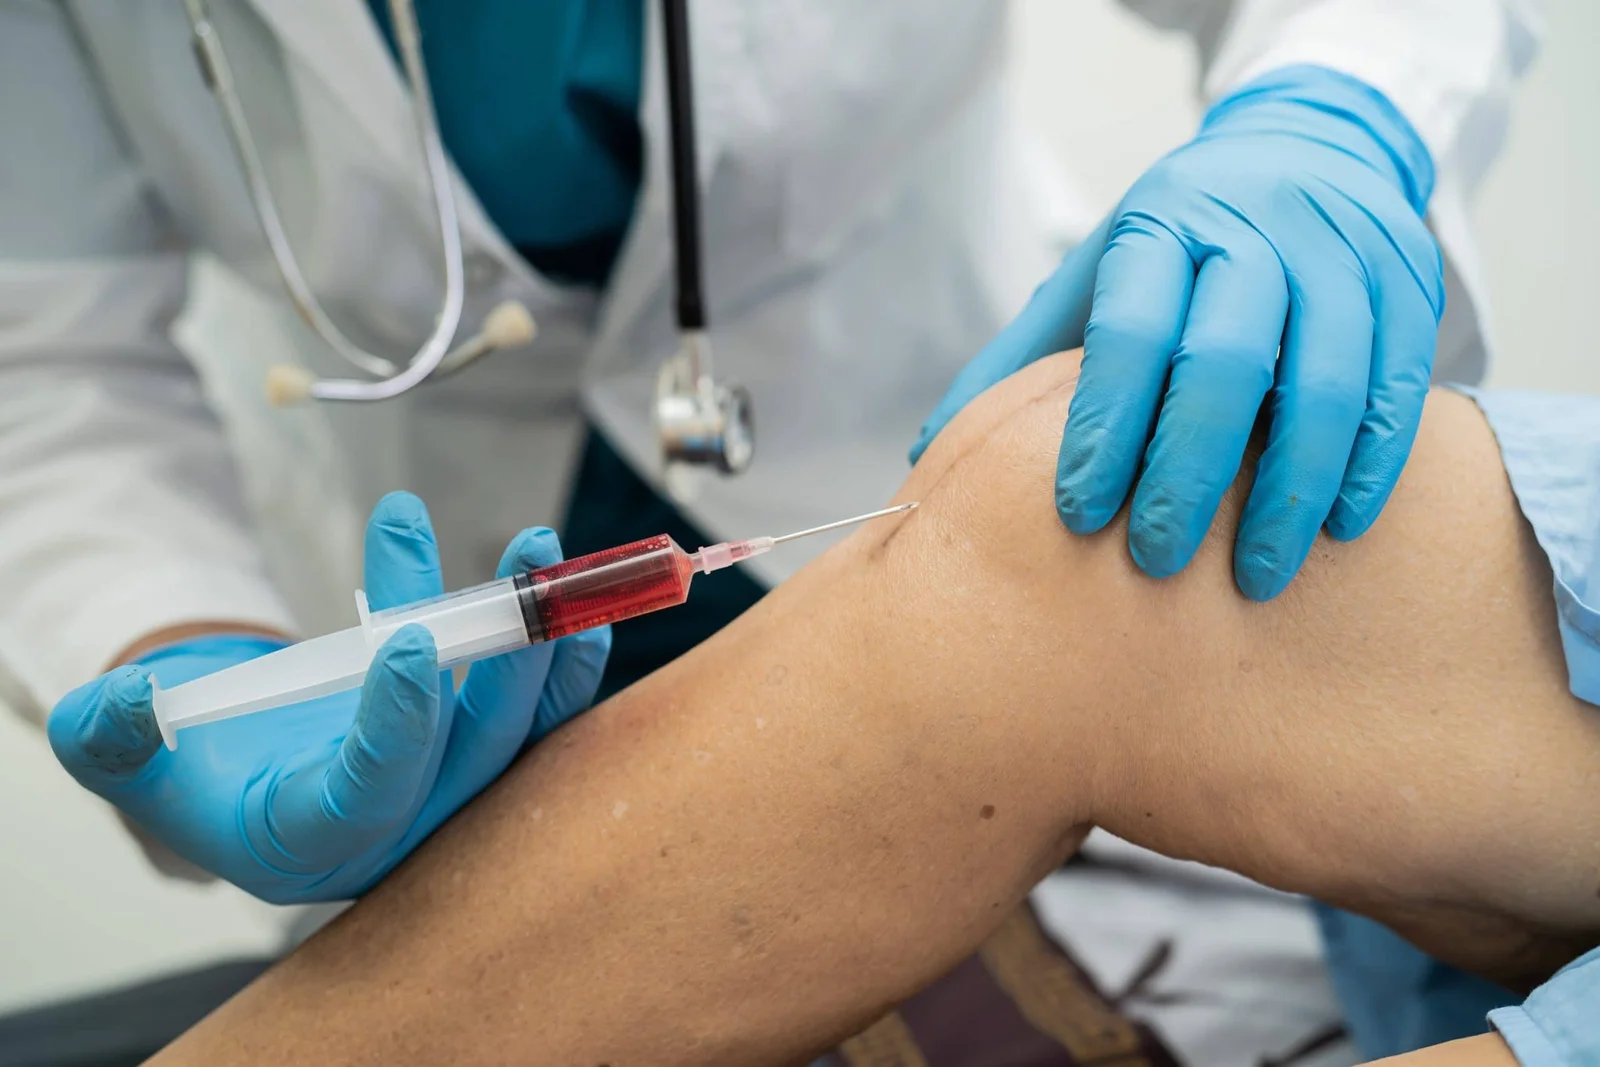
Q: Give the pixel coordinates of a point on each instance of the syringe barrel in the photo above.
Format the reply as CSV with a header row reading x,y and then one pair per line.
x,y
604,587
467,624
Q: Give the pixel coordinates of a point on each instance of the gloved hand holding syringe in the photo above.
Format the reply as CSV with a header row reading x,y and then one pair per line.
x,y
470,624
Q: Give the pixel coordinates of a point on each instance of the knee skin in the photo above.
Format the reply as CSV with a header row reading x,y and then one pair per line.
x,y
1393,733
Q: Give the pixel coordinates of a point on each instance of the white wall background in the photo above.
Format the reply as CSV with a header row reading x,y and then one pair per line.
x,y
79,908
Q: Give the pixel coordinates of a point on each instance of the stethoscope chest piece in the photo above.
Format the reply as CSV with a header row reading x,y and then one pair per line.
x,y
698,421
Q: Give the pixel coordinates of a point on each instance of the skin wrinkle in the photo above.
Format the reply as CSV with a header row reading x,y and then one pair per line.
x,y
983,657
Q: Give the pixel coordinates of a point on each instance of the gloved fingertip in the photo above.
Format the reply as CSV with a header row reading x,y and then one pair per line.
x,y
1080,518
401,521
402,510
1091,485
1260,573
537,546
1354,512
1347,524
400,698
948,408
1083,512
1158,549
401,557
106,728
410,653
127,688
930,428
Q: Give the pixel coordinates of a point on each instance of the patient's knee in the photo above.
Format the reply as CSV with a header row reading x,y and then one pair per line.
x,y
993,466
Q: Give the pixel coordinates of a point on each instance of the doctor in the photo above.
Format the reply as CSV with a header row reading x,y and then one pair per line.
x,y
873,215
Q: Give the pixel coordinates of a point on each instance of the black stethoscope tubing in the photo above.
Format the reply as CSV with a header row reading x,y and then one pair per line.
x,y
689,300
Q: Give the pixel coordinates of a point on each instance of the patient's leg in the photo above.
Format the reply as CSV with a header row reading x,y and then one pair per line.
x,y
761,847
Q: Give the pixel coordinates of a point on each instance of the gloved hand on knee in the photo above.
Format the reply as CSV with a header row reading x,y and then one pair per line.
x,y
1278,262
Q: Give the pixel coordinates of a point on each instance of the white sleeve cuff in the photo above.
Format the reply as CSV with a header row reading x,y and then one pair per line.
x,y
1379,60
1447,65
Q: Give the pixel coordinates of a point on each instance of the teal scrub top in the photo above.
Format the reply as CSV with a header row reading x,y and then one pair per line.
x,y
538,105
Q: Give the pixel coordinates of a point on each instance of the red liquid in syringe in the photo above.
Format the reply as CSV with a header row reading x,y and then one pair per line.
x,y
609,586
633,579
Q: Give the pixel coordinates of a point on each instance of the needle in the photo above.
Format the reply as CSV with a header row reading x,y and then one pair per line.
x,y
844,522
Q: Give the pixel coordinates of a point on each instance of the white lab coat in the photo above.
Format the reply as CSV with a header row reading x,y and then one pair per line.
x,y
873,214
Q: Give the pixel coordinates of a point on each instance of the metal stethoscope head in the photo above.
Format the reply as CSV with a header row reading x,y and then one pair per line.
x,y
698,422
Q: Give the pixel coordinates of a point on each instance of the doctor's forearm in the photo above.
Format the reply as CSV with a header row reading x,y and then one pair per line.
x,y
168,635
759,848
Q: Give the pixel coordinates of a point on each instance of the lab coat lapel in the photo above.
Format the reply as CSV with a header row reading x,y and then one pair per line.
x,y
338,42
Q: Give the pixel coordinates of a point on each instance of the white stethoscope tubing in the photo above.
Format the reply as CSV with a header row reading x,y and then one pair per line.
x,y
697,420
390,383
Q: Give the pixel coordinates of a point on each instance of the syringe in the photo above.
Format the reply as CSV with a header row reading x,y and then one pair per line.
x,y
470,624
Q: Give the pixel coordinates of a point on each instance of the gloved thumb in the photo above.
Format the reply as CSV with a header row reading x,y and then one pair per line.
x,y
104,733
1053,321
365,791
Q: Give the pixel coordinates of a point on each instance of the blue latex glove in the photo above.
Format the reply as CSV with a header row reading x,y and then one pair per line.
x,y
1293,218
317,801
